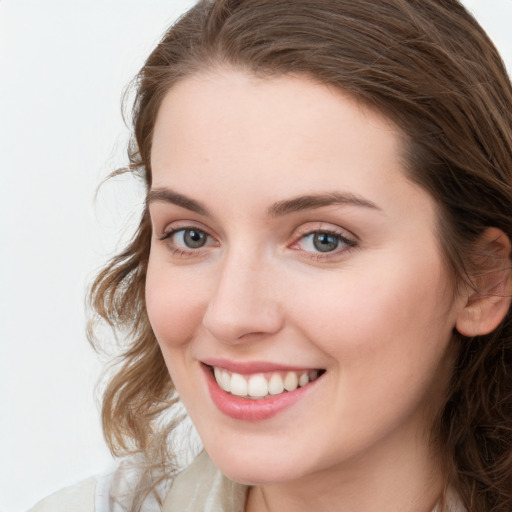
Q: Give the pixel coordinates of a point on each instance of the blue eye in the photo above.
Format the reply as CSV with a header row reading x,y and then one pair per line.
x,y
324,242
192,238
187,238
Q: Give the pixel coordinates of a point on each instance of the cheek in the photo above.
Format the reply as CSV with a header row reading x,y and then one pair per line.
x,y
387,340
175,304
382,313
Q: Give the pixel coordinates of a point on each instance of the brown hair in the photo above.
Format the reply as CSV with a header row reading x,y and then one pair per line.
x,y
429,67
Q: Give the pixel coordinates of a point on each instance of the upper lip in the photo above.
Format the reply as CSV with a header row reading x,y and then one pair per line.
x,y
249,367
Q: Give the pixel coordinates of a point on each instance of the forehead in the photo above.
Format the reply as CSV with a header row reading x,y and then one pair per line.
x,y
241,103
280,136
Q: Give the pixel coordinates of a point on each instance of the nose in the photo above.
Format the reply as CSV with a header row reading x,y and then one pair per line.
x,y
243,304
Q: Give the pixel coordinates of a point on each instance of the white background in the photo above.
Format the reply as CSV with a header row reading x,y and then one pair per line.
x,y
63,67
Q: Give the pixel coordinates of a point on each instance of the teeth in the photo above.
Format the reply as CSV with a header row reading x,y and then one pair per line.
x,y
275,384
257,386
238,385
304,379
226,380
291,382
223,379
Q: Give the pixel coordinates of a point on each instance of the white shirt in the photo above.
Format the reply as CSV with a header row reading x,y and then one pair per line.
x,y
200,487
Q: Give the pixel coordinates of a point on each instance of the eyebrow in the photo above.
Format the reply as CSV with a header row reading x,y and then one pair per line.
x,y
312,201
295,204
166,195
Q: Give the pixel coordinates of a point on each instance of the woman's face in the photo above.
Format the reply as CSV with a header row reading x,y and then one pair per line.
x,y
289,246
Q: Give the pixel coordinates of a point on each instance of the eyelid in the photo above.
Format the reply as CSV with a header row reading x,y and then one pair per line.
x,y
177,250
324,227
173,227
348,239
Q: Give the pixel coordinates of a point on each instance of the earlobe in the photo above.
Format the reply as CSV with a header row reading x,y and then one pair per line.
x,y
488,301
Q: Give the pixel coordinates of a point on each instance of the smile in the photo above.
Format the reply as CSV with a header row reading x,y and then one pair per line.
x,y
257,391
263,385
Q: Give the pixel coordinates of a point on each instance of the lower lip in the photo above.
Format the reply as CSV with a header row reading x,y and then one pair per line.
x,y
245,409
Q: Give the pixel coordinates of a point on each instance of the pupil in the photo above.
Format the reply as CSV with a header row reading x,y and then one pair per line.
x,y
194,239
324,242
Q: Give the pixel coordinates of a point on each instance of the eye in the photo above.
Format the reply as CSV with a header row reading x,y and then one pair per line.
x,y
190,238
186,239
324,242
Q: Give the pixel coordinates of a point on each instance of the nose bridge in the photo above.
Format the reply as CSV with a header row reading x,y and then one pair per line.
x,y
243,302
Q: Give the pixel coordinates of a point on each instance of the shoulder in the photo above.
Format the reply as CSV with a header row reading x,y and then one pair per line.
x,y
199,487
78,498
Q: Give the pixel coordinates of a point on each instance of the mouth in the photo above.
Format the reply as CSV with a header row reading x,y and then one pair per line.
x,y
257,391
263,385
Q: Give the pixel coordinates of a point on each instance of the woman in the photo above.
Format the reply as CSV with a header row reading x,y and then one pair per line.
x,y
322,273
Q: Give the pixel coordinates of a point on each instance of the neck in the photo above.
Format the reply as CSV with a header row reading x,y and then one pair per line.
x,y
404,480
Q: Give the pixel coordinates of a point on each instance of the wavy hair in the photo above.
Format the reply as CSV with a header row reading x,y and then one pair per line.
x,y
430,68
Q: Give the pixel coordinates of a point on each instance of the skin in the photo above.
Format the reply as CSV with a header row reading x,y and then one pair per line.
x,y
377,316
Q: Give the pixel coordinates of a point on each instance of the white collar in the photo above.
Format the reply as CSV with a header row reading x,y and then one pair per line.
x,y
201,487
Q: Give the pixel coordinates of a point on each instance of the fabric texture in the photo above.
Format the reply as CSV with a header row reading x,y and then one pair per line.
x,y
200,487
203,488
77,498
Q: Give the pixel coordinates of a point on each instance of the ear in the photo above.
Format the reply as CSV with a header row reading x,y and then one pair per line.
x,y
488,301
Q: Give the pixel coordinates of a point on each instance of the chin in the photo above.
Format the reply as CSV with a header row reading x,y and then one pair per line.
x,y
256,467
256,475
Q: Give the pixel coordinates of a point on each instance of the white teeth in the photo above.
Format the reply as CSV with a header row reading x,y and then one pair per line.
x,y
238,385
303,379
275,384
225,380
291,382
258,387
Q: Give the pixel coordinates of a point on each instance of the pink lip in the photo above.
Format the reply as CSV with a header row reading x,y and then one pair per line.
x,y
245,368
244,409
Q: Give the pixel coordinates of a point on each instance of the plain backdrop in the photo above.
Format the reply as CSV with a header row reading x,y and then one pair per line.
x,y
63,68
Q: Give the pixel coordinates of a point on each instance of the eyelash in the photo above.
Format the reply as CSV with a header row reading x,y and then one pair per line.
x,y
347,243
178,251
